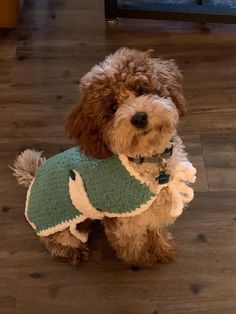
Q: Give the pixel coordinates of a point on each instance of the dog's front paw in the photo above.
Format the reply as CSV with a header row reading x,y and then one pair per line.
x,y
162,247
166,254
145,260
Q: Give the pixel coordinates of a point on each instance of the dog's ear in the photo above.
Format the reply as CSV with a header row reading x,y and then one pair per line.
x,y
171,79
84,130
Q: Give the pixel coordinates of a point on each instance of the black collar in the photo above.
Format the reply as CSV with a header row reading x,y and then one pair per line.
x,y
154,158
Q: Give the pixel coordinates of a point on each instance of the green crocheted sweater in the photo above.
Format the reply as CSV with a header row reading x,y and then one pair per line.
x,y
71,187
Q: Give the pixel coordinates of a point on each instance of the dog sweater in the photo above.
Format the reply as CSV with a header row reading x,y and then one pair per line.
x,y
71,187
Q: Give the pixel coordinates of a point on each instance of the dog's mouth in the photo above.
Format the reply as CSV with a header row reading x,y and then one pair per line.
x,y
147,131
155,158
164,126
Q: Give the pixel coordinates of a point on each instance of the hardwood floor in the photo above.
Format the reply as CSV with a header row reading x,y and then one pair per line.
x,y
41,62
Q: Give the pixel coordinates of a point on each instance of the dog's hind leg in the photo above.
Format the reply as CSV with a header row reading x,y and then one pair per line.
x,y
64,244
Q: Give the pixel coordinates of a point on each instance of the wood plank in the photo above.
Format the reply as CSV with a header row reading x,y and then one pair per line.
x,y
194,150
8,290
220,162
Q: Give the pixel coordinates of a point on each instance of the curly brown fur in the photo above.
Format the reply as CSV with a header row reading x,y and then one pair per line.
x,y
162,245
64,244
26,166
132,248
143,240
141,250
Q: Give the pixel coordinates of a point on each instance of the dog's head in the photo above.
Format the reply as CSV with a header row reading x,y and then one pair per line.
x,y
130,104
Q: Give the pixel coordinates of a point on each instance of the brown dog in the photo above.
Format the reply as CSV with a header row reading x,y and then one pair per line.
x,y
129,106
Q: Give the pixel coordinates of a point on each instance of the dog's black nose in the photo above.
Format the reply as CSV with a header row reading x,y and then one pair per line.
x,y
140,119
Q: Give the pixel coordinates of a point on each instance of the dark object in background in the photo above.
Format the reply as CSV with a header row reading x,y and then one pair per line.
x,y
186,10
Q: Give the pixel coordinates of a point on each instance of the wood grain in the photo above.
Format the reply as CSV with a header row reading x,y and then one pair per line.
x,y
41,62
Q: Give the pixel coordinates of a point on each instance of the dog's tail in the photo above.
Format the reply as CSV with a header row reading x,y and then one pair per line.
x,y
26,166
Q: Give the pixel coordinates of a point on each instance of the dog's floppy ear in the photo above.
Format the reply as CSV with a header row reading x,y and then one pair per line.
x,y
171,78
83,128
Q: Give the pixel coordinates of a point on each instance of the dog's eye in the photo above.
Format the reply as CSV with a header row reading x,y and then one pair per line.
x,y
113,107
141,91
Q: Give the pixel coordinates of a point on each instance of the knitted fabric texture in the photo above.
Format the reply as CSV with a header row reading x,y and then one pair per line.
x,y
110,189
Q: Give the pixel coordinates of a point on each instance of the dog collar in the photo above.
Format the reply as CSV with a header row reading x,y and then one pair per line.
x,y
157,158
